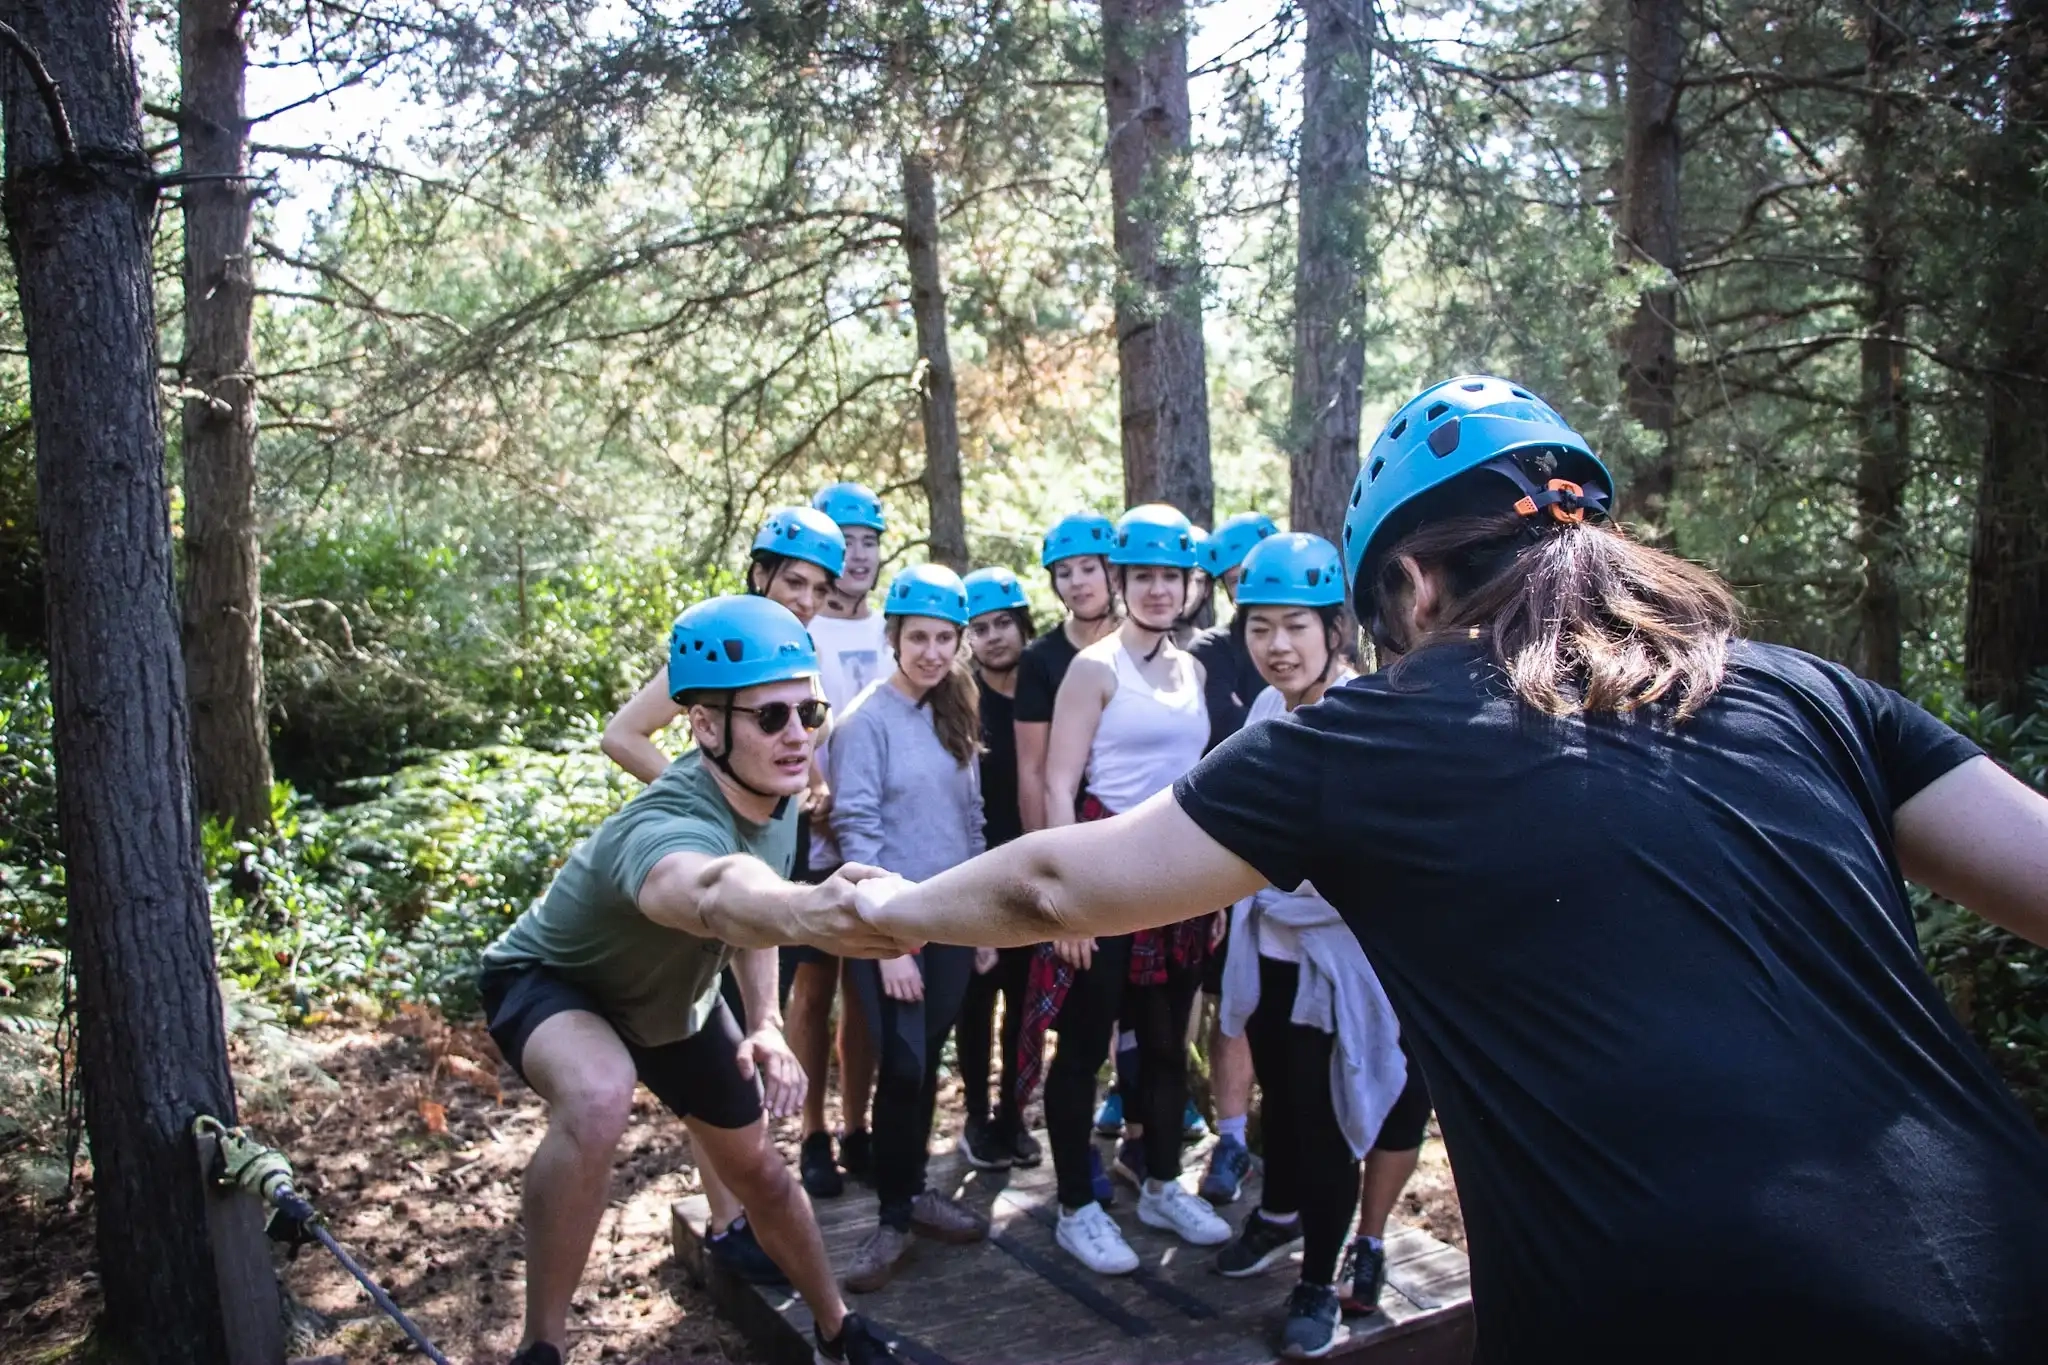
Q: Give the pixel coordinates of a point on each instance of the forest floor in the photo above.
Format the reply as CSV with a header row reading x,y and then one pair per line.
x,y
405,1139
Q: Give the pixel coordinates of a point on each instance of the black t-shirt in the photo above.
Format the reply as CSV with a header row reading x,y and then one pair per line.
x,y
1701,1098
1001,821
1229,680
1040,673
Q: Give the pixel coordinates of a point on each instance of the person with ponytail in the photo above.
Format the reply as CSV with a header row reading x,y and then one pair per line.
x,y
909,799
1635,885
1130,719
1298,991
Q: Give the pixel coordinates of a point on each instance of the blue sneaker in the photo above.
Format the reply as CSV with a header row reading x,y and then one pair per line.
x,y
1130,1162
1315,1323
1229,1164
1109,1119
1193,1128
1098,1179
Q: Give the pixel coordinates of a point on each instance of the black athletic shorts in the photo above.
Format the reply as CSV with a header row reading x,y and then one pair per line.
x,y
698,1077
1408,1120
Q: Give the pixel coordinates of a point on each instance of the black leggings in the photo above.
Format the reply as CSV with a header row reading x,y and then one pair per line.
x,y
1087,1026
910,1035
977,1023
1309,1166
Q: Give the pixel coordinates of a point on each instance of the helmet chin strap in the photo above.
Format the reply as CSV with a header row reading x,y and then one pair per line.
x,y
724,760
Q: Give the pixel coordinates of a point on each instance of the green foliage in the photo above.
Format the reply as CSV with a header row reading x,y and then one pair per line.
x,y
1996,983
393,898
31,868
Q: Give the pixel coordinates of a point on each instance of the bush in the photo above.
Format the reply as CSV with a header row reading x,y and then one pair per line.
x,y
1996,984
31,866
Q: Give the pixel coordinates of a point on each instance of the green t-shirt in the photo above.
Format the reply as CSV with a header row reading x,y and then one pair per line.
x,y
656,984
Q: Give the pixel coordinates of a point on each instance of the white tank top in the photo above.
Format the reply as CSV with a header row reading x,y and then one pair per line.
x,y
1148,736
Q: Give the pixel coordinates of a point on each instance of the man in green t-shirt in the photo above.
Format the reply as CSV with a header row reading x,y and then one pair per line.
x,y
612,977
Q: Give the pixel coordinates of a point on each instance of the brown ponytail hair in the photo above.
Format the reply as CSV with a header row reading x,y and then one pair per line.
x,y
1580,617
955,702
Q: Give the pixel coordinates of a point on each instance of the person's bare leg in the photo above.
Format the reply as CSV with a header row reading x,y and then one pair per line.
x,y
1386,1175
856,1066
778,1211
809,1030
579,1066
725,1205
1230,1074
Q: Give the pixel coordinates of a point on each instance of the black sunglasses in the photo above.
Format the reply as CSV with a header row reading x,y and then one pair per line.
x,y
774,717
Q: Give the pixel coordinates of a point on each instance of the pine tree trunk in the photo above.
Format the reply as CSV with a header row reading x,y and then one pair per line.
x,y
2005,637
223,645
152,1050
1884,461
1330,262
1649,234
1160,356
937,403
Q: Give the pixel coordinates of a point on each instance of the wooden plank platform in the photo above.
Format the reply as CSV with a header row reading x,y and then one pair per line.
x,y
1017,1299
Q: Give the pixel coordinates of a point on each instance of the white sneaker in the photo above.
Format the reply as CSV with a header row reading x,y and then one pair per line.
x,y
1090,1236
1172,1209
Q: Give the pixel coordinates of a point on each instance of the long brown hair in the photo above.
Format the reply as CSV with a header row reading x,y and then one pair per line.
x,y
955,702
1581,618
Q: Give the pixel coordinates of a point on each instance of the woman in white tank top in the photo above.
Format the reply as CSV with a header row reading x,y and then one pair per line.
x,y
1130,717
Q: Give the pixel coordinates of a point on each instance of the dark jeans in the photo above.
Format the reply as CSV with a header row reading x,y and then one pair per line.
x,y
1309,1166
909,1036
977,1025
1087,1026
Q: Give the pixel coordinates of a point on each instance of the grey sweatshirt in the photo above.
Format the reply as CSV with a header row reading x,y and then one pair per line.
x,y
899,800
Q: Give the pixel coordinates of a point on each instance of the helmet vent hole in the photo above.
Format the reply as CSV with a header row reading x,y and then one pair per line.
x,y
1444,439
735,650
1436,410
1520,393
1394,432
1475,386
1373,473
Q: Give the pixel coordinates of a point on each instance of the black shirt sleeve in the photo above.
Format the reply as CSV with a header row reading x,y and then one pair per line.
x,y
1912,747
1035,690
1259,794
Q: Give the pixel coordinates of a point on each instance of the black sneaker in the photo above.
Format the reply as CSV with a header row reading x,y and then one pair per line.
x,y
815,1167
1024,1150
1262,1245
1362,1276
740,1252
857,1155
856,1344
1315,1323
984,1152
540,1353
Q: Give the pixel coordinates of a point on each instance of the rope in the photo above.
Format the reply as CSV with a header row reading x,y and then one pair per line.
x,y
244,1163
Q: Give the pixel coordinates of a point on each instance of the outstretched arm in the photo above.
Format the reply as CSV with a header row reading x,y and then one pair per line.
x,y
1979,836
1148,867
628,738
738,899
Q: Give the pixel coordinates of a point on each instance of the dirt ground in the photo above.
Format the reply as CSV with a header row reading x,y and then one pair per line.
x,y
415,1160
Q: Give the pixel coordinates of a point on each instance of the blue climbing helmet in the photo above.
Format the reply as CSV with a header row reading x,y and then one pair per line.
x,y
726,643
927,590
852,504
1229,543
1075,534
993,589
1153,534
803,533
1472,423
1293,570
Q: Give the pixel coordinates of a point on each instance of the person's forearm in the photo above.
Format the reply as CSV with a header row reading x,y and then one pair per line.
x,y
736,899
1060,797
637,754
1031,774
756,970
1003,899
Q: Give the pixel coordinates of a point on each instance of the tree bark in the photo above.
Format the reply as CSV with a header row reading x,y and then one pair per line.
x,y
1331,259
152,1050
937,402
1884,459
2005,639
1649,235
223,644
1161,361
